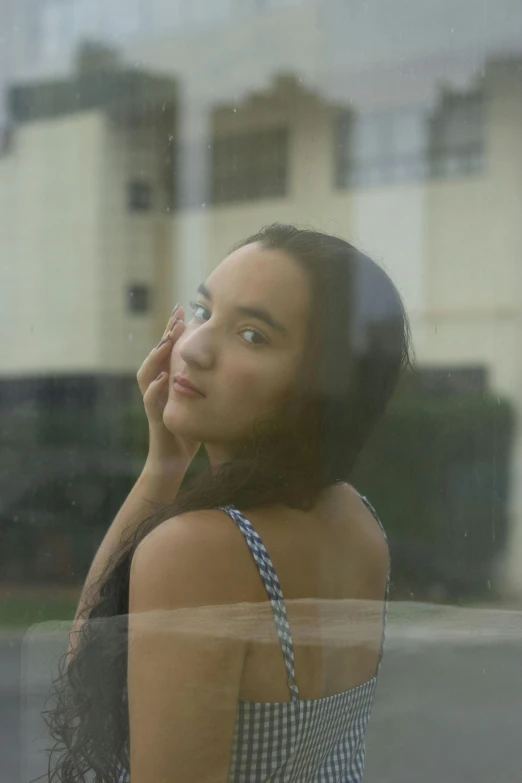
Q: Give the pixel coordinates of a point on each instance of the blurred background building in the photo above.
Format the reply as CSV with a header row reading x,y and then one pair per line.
x,y
141,140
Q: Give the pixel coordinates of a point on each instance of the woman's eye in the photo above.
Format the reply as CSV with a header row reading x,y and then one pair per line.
x,y
194,306
257,334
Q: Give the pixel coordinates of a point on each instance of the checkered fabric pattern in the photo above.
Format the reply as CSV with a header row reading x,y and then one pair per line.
x,y
298,741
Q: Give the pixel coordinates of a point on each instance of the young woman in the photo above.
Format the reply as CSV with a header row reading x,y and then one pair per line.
x,y
205,647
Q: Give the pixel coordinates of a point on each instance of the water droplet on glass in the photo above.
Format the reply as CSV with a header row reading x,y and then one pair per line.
x,y
130,337
235,111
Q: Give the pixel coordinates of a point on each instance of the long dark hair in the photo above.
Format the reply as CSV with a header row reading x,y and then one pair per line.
x,y
358,346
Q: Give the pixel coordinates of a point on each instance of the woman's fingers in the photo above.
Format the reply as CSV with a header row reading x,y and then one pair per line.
x,y
154,372
178,312
171,335
158,358
156,396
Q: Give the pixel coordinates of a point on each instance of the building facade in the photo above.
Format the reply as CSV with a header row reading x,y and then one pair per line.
x,y
116,204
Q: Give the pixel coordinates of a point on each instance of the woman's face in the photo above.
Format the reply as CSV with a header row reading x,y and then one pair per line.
x,y
243,365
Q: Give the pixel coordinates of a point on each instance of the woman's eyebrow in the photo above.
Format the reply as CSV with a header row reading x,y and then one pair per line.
x,y
254,312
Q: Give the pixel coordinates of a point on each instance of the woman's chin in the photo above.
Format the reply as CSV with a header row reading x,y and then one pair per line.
x,y
181,422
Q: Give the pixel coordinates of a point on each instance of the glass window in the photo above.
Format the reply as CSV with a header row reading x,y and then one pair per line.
x,y
308,460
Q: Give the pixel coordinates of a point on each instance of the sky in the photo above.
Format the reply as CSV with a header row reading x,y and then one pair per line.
x,y
420,41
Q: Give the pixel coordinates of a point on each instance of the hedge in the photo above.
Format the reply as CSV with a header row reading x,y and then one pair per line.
x,y
435,469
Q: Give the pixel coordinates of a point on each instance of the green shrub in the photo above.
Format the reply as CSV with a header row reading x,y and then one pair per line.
x,y
436,471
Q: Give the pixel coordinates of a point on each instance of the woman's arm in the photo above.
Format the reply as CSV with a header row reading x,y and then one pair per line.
x,y
184,662
152,484
167,462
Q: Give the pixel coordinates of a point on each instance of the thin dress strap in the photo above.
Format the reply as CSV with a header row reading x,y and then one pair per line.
x,y
387,594
273,588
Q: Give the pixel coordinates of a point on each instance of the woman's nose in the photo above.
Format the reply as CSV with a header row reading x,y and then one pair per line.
x,y
195,346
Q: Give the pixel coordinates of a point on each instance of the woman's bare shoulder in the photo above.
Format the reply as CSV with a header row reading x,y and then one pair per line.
x,y
364,534
373,543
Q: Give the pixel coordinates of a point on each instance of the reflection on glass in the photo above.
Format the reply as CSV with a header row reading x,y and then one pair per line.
x,y
139,143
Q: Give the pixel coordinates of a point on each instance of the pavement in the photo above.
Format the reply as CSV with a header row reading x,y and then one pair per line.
x,y
447,707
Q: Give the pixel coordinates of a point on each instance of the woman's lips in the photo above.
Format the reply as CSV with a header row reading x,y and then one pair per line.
x,y
183,386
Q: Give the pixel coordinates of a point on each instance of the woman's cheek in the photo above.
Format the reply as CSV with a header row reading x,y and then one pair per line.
x,y
264,390
243,381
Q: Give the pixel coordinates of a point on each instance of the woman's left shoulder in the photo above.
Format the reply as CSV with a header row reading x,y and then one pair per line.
x,y
188,528
192,554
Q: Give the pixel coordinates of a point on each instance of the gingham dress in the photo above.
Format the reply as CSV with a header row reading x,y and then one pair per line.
x,y
301,740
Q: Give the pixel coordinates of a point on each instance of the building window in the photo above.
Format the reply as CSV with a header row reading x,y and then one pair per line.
x,y
456,136
138,298
139,195
409,144
249,166
381,147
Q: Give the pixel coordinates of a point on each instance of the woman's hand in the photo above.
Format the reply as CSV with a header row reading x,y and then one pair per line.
x,y
169,454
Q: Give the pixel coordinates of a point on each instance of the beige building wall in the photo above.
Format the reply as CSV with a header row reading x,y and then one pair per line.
x,y
452,246
133,249
50,229
70,247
